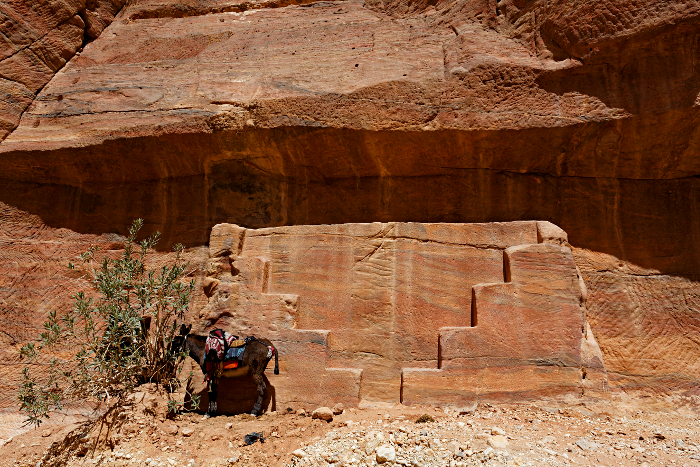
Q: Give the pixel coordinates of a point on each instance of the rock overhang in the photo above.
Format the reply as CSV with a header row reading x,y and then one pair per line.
x,y
583,113
210,102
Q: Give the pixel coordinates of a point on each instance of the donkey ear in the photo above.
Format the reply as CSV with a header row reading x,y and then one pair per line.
x,y
187,329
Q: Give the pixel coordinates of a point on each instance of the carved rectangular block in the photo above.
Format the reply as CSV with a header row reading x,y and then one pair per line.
x,y
225,239
494,235
454,386
403,297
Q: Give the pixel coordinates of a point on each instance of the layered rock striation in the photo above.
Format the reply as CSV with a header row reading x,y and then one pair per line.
x,y
583,113
38,38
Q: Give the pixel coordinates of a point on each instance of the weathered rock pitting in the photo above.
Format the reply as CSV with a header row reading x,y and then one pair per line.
x,y
38,38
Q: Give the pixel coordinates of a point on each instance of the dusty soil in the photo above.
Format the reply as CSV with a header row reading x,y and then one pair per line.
x,y
621,430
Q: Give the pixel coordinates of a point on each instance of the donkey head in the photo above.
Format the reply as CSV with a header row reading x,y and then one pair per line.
x,y
178,343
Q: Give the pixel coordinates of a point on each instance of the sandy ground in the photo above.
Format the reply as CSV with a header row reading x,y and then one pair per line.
x,y
621,430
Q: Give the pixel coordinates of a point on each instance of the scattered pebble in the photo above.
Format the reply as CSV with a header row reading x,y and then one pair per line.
x,y
497,442
338,409
386,454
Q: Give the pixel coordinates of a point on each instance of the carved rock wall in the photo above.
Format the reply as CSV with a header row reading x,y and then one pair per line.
x,y
191,113
405,312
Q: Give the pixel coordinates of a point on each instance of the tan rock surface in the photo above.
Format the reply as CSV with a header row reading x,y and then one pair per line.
x,y
399,312
191,113
38,38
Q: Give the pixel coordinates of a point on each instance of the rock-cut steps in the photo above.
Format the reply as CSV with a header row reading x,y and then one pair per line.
x,y
412,313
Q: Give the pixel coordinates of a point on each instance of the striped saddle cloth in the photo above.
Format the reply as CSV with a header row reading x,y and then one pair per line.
x,y
222,351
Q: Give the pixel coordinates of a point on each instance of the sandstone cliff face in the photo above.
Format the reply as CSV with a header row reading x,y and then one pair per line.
x,y
38,38
191,113
35,280
397,312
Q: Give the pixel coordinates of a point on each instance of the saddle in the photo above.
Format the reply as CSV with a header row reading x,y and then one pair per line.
x,y
222,351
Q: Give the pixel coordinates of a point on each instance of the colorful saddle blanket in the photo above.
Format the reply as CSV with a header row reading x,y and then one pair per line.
x,y
220,342
222,351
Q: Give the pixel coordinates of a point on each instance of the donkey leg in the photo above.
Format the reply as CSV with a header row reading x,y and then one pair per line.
x,y
260,386
212,392
208,397
206,415
213,396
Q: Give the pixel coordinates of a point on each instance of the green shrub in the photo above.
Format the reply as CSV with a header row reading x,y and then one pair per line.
x,y
105,333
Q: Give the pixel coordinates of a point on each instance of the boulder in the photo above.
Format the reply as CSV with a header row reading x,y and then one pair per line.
x,y
323,413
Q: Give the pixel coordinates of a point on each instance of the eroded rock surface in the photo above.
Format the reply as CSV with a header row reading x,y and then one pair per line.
x,y
38,38
403,312
191,113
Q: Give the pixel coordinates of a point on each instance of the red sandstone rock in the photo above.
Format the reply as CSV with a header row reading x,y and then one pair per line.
x,y
98,15
550,233
644,321
383,294
193,113
35,280
38,38
209,286
355,311
323,413
525,336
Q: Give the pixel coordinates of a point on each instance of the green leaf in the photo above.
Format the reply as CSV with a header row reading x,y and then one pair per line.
x,y
112,355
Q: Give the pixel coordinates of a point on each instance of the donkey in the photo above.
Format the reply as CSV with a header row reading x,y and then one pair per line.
x,y
255,359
